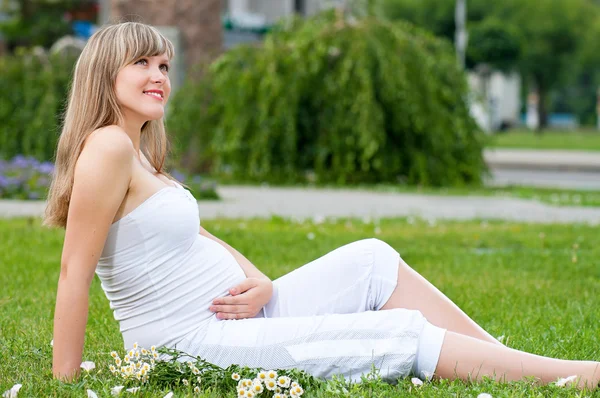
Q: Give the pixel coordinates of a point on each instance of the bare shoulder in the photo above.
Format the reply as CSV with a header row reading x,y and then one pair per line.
x,y
105,149
100,183
109,140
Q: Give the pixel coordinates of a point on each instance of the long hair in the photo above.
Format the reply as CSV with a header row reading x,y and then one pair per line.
x,y
93,104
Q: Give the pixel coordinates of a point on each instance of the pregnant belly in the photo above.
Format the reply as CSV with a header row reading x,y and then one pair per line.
x,y
181,300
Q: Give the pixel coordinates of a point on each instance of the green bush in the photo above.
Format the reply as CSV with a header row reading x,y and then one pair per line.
x,y
34,91
345,102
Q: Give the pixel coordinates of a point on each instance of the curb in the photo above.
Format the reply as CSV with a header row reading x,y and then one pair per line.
x,y
549,160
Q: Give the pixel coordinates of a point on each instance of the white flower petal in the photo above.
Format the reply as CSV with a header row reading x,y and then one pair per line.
x,y
416,382
484,395
116,390
87,365
91,394
133,390
52,342
12,393
169,395
563,382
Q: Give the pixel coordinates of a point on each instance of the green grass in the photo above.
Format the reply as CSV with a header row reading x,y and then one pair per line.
x,y
536,285
586,140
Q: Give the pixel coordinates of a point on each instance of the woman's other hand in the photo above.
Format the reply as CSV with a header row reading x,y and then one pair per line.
x,y
246,300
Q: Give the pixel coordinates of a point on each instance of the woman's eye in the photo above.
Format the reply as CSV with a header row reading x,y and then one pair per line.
x,y
165,67
143,61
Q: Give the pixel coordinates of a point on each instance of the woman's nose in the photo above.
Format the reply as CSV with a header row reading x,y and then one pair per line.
x,y
158,76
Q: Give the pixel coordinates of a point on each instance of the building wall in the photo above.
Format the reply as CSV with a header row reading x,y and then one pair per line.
x,y
495,101
198,23
272,10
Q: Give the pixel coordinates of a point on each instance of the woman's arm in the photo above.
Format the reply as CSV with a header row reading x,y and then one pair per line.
x,y
101,180
249,297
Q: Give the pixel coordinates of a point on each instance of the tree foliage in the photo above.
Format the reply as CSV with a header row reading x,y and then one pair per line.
x,y
551,35
30,23
554,34
348,101
34,89
494,43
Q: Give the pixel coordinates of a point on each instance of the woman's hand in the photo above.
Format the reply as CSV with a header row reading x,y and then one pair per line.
x,y
246,299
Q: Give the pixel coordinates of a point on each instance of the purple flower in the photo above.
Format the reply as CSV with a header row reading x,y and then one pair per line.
x,y
34,195
20,161
3,181
46,168
178,175
12,181
42,182
197,179
23,162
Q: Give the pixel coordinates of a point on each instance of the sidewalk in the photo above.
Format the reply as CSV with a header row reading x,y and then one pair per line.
x,y
264,202
557,160
246,201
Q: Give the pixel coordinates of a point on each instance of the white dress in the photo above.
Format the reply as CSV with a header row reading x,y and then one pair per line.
x,y
160,276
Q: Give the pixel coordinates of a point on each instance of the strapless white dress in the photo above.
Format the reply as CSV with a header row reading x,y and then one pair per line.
x,y
160,276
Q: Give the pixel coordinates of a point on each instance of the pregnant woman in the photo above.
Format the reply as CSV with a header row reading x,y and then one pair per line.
x,y
171,283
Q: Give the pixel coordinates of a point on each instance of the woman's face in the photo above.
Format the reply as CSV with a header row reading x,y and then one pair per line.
x,y
143,88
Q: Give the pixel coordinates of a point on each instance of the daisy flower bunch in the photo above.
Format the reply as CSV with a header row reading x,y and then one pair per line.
x,y
171,368
136,365
269,384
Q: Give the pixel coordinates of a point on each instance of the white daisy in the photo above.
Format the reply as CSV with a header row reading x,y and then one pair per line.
x,y
257,388
271,374
12,393
565,381
283,381
416,382
270,384
87,365
91,394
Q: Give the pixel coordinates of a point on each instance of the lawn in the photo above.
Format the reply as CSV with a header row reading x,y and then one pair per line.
x,y
586,140
535,285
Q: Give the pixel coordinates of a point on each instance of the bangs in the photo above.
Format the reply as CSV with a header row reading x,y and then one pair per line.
x,y
145,41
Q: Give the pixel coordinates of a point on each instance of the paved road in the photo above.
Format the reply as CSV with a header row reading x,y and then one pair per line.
x,y
241,201
549,168
582,180
543,159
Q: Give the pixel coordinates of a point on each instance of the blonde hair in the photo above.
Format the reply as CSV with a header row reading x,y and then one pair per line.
x,y
93,104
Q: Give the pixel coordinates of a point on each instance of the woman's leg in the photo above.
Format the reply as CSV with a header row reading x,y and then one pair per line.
x,y
350,279
347,345
467,358
415,292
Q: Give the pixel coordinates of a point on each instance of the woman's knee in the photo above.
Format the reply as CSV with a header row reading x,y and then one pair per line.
x,y
384,256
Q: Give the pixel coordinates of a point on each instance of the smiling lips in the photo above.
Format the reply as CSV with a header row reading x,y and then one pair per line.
x,y
158,94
